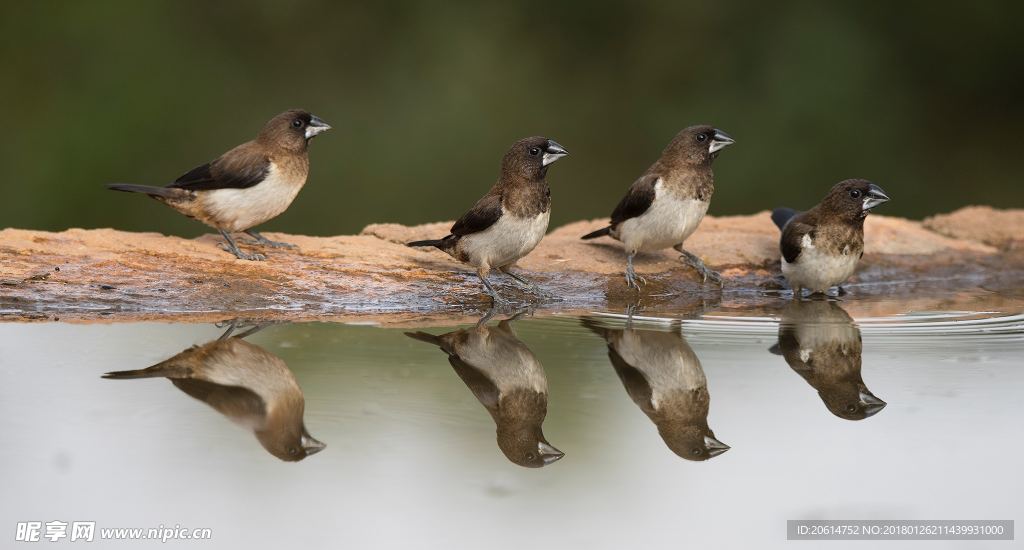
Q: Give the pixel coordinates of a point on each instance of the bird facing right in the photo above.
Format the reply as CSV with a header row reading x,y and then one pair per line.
x,y
821,247
668,202
664,377
822,343
248,185
509,221
509,382
245,383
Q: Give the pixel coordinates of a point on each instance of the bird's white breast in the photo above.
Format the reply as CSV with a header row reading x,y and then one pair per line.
x,y
668,222
241,209
506,362
666,361
817,270
509,239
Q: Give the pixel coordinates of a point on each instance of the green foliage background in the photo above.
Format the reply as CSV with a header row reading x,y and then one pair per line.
x,y
925,98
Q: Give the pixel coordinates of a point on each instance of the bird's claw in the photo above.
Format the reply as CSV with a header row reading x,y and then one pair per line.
x,y
279,244
704,271
631,281
242,255
270,243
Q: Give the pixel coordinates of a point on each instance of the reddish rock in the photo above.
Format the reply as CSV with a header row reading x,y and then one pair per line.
x,y
108,274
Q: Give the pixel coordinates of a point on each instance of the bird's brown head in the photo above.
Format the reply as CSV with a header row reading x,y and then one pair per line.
x,y
527,447
528,159
697,145
850,401
290,443
692,442
852,199
292,130
519,419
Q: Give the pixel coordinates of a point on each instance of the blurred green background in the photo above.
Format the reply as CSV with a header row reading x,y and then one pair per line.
x,y
426,96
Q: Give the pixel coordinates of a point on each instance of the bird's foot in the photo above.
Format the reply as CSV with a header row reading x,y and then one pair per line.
x,y
704,271
632,279
258,238
278,244
840,291
243,255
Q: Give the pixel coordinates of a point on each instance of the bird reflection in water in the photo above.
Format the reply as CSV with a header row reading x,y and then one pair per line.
x,y
822,344
664,377
507,379
246,383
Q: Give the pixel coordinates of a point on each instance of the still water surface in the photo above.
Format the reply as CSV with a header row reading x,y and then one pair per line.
x,y
705,430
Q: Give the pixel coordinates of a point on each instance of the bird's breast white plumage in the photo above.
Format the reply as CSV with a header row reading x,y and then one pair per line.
x,y
668,364
817,270
241,209
508,240
668,222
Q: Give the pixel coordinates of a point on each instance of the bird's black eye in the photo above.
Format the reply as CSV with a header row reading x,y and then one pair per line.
x,y
293,450
297,123
702,137
851,408
534,151
855,193
529,456
695,452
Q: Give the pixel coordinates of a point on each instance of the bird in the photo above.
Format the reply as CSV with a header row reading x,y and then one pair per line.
x,y
667,203
509,382
821,343
664,377
509,221
247,384
821,247
248,185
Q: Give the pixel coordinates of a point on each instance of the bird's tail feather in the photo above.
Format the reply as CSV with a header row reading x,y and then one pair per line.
x,y
439,341
164,369
428,242
146,189
425,337
599,233
781,216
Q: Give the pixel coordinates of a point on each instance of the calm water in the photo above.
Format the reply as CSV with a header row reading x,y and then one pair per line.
x,y
706,431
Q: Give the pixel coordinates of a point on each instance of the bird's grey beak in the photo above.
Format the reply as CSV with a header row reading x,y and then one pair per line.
x,y
548,453
552,152
871,403
312,446
316,127
715,447
720,141
874,197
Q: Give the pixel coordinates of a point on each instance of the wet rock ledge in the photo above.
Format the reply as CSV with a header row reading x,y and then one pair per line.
x,y
107,274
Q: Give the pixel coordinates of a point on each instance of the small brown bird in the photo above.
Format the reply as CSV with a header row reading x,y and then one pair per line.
x,y
668,202
821,247
664,377
245,383
820,341
511,219
249,184
507,379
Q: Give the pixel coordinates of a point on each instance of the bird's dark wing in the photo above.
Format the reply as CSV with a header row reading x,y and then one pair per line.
x,y
483,388
637,386
240,168
792,239
231,401
637,200
484,214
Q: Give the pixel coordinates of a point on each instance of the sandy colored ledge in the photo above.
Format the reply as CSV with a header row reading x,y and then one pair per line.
x,y
115,275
